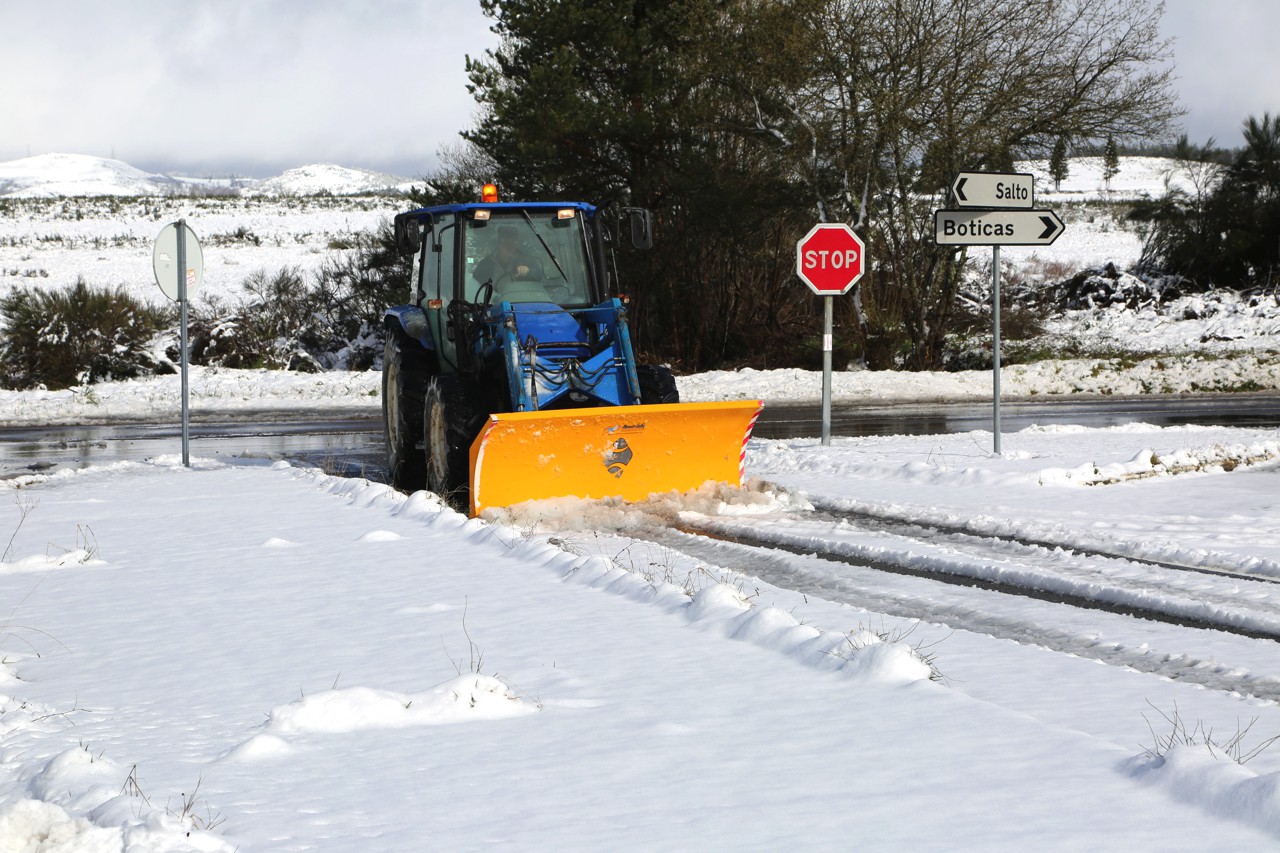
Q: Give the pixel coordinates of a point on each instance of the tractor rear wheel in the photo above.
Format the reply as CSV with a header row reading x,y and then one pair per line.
x,y
404,379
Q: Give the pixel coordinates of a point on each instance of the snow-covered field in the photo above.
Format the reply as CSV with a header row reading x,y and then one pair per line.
x,y
254,655
75,216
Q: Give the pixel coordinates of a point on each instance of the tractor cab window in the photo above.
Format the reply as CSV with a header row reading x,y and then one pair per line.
x,y
527,256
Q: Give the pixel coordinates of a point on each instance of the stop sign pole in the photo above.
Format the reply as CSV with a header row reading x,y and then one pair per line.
x,y
829,259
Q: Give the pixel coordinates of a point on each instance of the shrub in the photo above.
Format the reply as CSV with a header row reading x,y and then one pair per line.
x,y
287,323
355,287
77,336
275,326
1225,230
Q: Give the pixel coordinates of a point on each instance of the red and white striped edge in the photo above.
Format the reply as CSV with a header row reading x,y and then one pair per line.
x,y
746,436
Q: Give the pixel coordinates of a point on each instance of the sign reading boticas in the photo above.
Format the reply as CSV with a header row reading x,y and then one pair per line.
x,y
996,227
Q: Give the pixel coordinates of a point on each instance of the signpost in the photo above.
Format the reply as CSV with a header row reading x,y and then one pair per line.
x,y
997,210
829,259
179,268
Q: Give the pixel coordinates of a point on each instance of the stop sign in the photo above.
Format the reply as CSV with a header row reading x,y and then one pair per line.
x,y
829,258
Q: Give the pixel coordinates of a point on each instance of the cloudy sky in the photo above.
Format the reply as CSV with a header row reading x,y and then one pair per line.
x,y
253,88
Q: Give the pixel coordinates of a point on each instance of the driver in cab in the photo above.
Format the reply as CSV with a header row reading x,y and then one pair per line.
x,y
508,262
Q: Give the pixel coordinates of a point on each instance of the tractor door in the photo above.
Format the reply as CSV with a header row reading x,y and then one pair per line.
x,y
439,266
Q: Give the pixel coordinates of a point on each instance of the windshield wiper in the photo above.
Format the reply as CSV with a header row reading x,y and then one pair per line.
x,y
550,254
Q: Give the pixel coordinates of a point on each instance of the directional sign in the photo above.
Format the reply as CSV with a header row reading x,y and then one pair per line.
x,y
996,227
829,258
994,189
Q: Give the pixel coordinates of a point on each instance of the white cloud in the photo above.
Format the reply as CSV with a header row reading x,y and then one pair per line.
x,y
1227,64
226,83
233,85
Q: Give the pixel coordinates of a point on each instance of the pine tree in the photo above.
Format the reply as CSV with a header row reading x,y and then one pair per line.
x,y
1058,163
1110,161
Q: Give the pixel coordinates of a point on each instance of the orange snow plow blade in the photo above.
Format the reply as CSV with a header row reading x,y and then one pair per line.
x,y
628,452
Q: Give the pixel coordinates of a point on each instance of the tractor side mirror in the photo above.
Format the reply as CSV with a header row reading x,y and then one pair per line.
x,y
408,235
641,227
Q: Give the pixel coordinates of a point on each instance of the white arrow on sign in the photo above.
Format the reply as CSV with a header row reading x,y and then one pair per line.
x,y
996,227
994,189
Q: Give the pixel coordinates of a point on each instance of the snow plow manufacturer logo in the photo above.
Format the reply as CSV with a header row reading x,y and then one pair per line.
x,y
618,457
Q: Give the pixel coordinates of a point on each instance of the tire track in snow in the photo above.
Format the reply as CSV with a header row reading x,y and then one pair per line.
x,y
811,571
940,531
1243,605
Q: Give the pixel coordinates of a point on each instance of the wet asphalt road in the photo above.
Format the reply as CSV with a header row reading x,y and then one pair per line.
x,y
351,443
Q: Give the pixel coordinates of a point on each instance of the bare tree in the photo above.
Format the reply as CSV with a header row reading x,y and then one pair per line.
x,y
899,95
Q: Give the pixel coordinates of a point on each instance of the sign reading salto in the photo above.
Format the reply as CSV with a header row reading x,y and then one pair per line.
x,y
995,209
994,189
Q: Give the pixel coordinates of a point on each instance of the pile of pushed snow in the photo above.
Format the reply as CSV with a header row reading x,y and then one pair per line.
x,y
211,389
48,175
1147,463
332,179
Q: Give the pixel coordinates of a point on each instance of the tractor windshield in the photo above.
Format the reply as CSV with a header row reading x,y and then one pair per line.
x,y
527,256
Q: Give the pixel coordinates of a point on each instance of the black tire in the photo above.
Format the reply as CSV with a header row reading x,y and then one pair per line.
x,y
405,370
657,385
448,430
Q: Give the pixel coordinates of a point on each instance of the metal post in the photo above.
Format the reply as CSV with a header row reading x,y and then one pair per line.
x,y
995,344
182,340
826,370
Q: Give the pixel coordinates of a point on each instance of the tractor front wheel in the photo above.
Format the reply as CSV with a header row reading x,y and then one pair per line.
x,y
446,424
657,385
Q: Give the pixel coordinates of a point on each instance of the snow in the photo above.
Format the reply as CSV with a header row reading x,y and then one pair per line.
x,y
1138,177
268,657
256,655
83,176
48,175
330,178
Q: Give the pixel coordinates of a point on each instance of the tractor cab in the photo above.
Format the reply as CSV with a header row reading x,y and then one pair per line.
x,y
470,259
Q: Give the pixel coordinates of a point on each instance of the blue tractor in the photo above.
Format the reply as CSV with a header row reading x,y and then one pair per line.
x,y
509,375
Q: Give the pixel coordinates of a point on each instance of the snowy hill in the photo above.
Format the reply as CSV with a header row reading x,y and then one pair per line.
x,y
329,178
83,176
79,175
